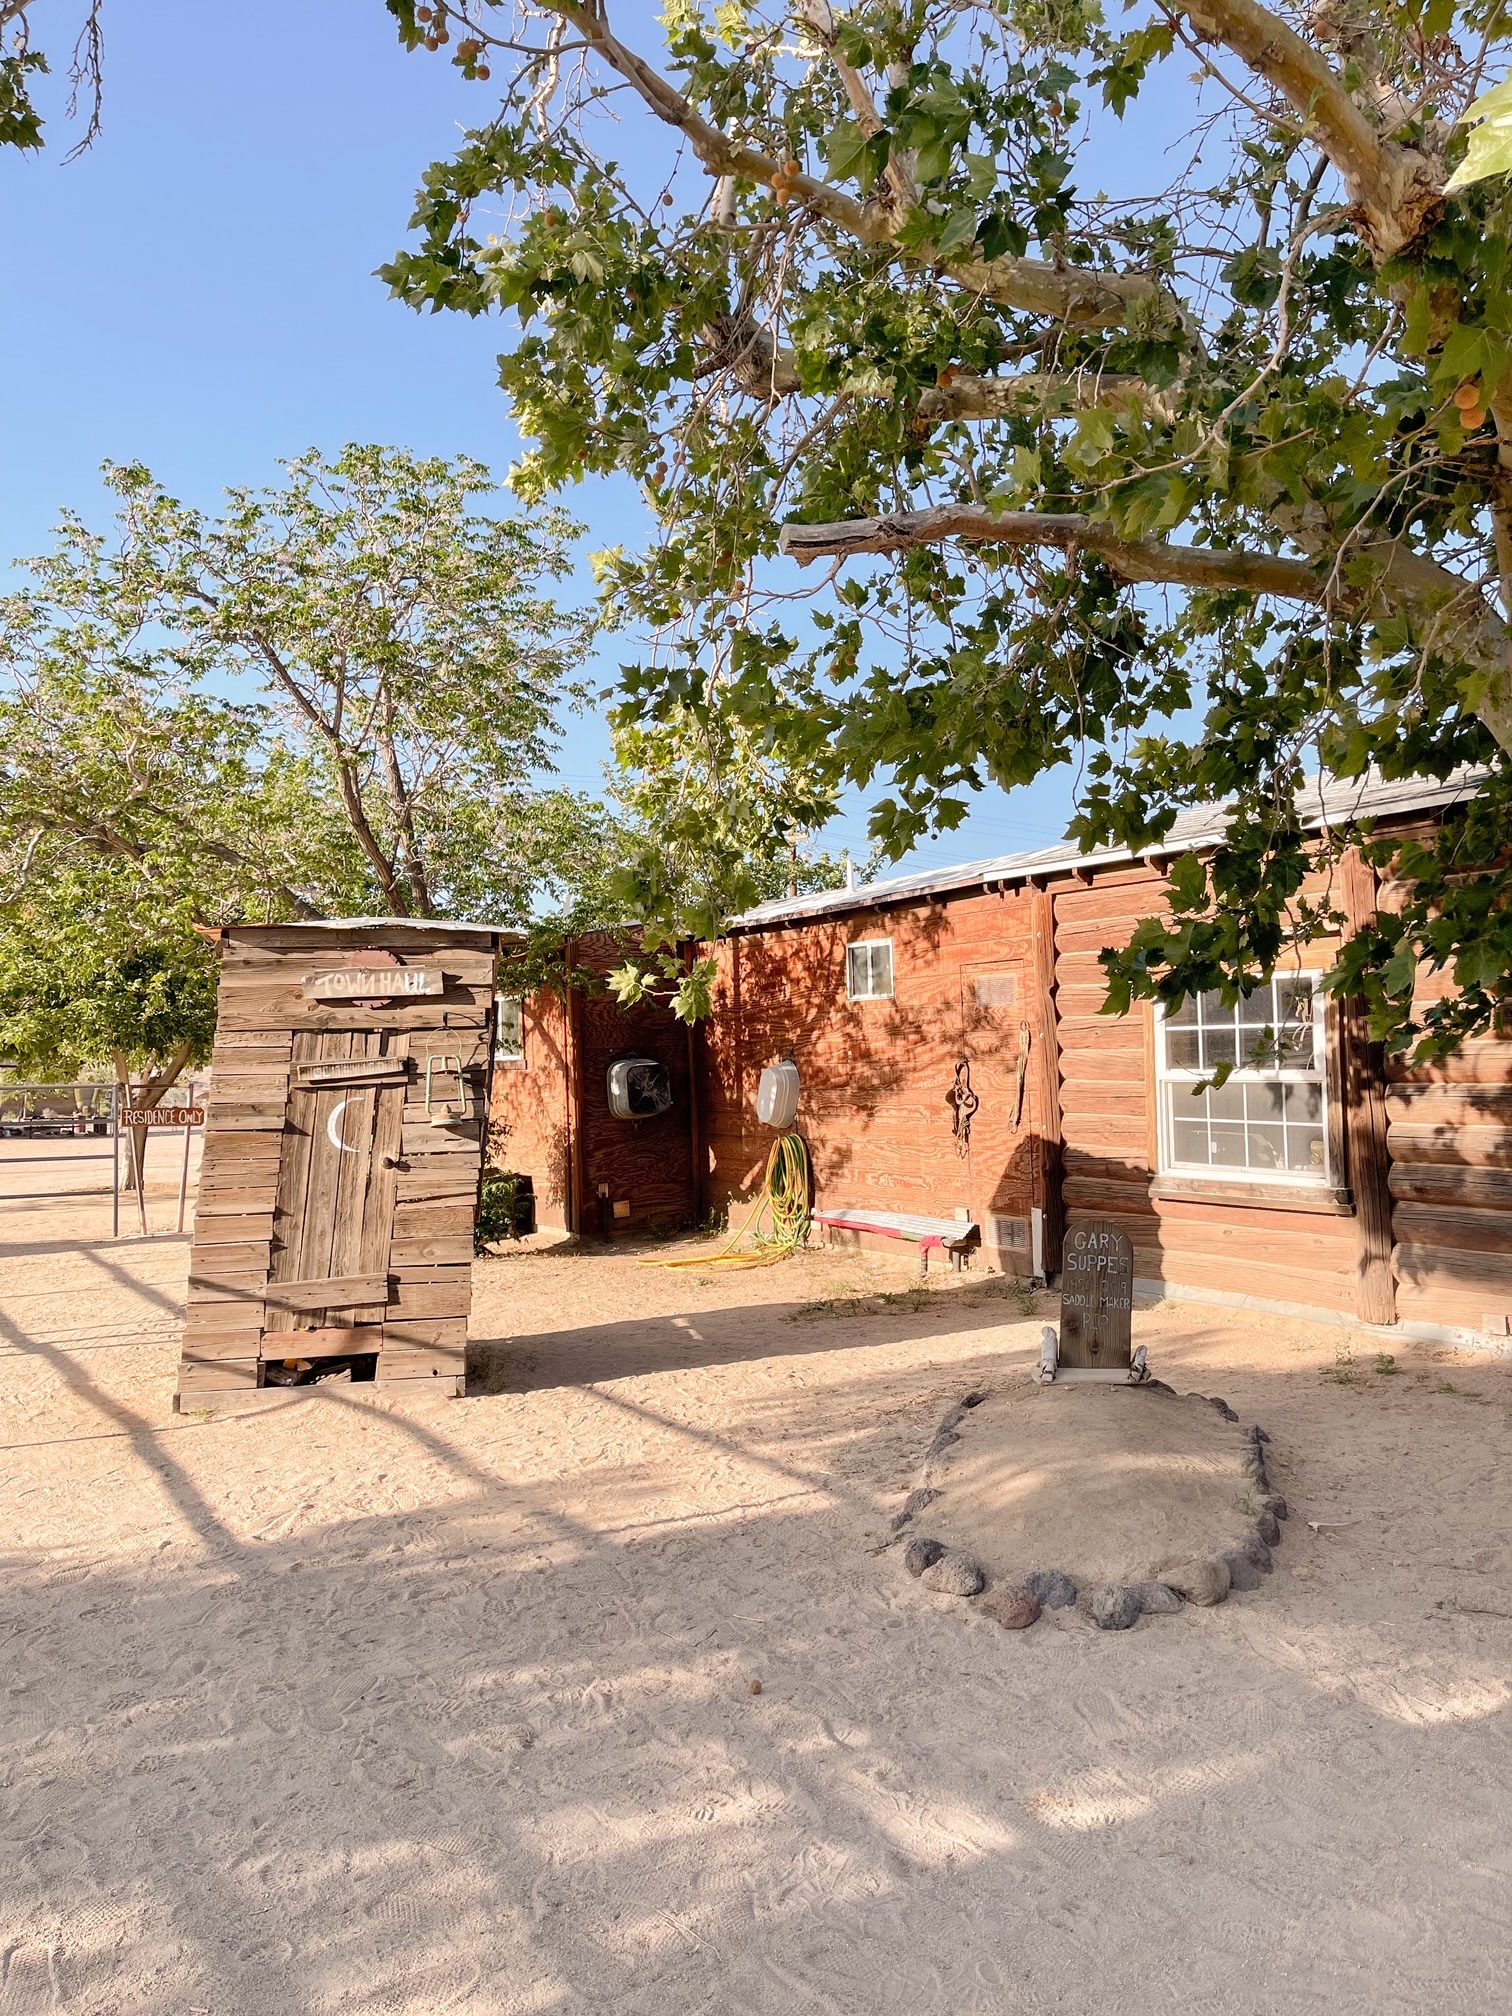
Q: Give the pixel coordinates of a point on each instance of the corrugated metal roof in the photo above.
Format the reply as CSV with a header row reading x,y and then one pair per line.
x,y
377,924
1329,802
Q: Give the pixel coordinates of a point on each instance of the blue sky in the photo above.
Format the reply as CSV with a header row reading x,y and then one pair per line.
x,y
197,293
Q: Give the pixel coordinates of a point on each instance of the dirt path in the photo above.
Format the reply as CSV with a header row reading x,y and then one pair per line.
x,y
449,1708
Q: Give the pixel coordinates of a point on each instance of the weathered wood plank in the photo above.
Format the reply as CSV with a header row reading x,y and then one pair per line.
x,y
343,1292
428,1183
1473,1147
233,1228
217,1375
1475,1229
1445,1182
407,1253
433,1221
422,1333
329,1341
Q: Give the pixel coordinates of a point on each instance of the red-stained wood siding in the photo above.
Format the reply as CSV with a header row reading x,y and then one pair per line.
x,y
561,1091
1108,1115
1450,1142
876,1074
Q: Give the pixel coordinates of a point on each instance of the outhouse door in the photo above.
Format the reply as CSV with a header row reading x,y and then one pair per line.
x,y
333,1221
1002,1144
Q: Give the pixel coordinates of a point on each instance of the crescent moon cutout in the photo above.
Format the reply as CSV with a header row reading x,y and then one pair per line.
x,y
333,1130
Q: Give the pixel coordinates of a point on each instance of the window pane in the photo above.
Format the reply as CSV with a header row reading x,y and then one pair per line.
x,y
1305,1151
856,971
1267,1145
1212,1008
1218,1047
1189,1141
1228,1144
1181,1049
1304,1102
881,965
509,1028
1183,1017
1226,1102
1267,1102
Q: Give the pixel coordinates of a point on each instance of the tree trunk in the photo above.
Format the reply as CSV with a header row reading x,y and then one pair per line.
x,y
149,1091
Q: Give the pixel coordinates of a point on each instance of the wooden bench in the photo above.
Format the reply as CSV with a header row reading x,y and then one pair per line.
x,y
955,1236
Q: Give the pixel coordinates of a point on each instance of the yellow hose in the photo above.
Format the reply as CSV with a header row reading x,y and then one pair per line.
x,y
785,1193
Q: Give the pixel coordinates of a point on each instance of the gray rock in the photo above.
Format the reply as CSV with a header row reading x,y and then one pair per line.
x,y
1013,1605
1204,1581
920,1554
953,1575
1242,1572
1257,1551
1156,1599
1268,1529
914,1502
1224,1409
1115,1607
1051,1588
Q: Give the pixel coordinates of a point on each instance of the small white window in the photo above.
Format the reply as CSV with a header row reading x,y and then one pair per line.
x,y
869,970
1268,1121
509,1029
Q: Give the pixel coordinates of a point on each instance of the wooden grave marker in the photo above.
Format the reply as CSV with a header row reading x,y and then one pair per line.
x,y
1097,1298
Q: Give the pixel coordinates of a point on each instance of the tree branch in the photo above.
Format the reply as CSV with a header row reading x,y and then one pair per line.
x,y
1071,531
1451,610
1033,286
968,397
1392,187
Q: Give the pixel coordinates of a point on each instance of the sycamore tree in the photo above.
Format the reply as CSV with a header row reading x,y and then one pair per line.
x,y
845,290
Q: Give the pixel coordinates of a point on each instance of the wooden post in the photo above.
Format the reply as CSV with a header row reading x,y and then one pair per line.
x,y
115,1163
1365,1146
184,1178
1047,1078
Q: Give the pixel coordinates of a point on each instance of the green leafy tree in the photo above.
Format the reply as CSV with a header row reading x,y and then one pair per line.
x,y
401,671
717,821
841,286
94,970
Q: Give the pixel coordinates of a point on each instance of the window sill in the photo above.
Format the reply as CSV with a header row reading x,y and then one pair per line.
x,y
1327,1200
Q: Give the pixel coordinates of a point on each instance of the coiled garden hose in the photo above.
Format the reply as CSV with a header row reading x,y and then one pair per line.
x,y
785,1193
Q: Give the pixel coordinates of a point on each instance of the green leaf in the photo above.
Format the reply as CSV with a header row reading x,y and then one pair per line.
x,y
1490,143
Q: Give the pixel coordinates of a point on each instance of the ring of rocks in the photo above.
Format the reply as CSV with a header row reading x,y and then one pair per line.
x,y
1114,1606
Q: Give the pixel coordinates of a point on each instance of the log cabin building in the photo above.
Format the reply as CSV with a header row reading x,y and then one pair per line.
x,y
954,1065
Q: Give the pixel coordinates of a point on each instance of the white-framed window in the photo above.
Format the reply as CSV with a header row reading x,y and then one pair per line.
x,y
1268,1121
509,1029
869,970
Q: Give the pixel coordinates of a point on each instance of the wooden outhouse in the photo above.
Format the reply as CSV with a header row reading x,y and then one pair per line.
x,y
342,1156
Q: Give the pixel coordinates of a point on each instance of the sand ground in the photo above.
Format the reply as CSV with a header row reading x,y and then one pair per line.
x,y
448,1707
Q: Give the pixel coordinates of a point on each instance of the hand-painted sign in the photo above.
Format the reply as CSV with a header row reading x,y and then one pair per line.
x,y
162,1116
1097,1296
373,983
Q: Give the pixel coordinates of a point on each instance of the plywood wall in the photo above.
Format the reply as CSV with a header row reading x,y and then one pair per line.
x,y
552,1118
